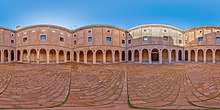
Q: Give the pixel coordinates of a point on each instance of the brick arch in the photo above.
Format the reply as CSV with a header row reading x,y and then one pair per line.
x,y
192,54
33,55
200,55
108,55
81,56
117,54
5,55
61,56
209,55
68,56
129,55
24,55
89,56
165,55
99,56
136,55
52,56
42,55
173,55
217,56
145,56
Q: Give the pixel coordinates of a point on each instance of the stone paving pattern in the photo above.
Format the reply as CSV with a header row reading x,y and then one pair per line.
x,y
110,86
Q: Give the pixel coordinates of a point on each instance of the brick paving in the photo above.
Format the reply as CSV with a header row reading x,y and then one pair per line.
x,y
110,86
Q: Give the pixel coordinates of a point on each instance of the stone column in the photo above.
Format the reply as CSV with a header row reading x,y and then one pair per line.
x,y
2,56
113,56
120,56
9,56
132,56
28,56
104,56
204,56
169,56
213,56
65,56
177,56
85,56
57,57
77,57
160,57
94,57
38,56
48,56
149,57
140,56
189,56
196,56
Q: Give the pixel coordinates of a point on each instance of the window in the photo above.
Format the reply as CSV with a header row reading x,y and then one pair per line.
x,y
25,39
165,30
145,38
165,38
12,34
43,37
74,35
89,31
12,41
123,41
217,39
145,30
186,41
200,39
200,31
89,39
108,30
61,39
218,31
180,41
108,39
74,42
129,41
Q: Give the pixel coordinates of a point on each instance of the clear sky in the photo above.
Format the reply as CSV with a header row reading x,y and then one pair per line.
x,y
121,13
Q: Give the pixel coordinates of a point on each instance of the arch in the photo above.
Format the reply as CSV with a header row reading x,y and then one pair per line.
x,y
12,55
217,56
192,52
123,56
81,56
129,55
5,55
200,55
25,55
33,55
52,56
145,57
43,56
89,56
108,56
155,55
61,56
99,56
165,56
18,55
209,55
68,56
74,56
180,55
117,56
136,56
173,55
186,55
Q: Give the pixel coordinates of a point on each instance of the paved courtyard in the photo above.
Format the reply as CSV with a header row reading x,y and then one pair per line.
x,y
110,86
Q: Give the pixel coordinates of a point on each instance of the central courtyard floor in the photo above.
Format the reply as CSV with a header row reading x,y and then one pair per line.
x,y
119,86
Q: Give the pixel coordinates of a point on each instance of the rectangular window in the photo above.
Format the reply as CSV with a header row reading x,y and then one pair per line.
x,y
129,41
43,37
74,42
123,41
25,39
89,39
12,41
108,39
180,41
145,38
217,39
200,39
165,38
61,39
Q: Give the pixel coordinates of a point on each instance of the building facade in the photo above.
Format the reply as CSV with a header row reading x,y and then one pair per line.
x,y
95,44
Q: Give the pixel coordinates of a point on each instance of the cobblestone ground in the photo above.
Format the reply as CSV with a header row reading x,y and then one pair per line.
x,y
111,86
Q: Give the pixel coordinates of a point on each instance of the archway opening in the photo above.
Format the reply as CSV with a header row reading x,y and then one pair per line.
x,y
25,57
33,56
145,57
43,56
89,56
209,55
180,55
155,55
136,56
74,56
217,56
81,56
192,55
200,55
173,56
123,56
52,56
99,56
116,56
186,55
108,56
129,55
12,55
165,56
61,56
5,55
68,56
18,55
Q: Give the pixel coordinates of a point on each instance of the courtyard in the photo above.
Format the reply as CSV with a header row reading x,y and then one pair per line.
x,y
110,86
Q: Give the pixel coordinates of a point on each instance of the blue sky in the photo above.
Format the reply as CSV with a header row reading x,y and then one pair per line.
x,y
122,13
